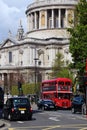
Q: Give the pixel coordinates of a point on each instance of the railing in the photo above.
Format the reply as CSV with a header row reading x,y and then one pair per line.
x,y
51,2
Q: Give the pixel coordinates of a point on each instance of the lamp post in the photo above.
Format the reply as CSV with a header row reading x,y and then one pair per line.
x,y
37,62
36,59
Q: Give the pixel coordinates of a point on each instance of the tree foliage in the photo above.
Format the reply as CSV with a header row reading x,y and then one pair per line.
x,y
27,89
78,39
58,64
59,69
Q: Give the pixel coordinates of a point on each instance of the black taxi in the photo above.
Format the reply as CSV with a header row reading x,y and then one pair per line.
x,y
17,108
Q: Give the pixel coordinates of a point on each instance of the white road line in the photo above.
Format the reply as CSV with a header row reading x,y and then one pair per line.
x,y
20,122
52,114
54,118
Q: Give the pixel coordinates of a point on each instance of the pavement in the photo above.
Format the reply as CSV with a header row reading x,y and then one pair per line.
x,y
2,124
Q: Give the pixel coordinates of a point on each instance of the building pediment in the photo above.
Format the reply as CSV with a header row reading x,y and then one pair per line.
x,y
8,42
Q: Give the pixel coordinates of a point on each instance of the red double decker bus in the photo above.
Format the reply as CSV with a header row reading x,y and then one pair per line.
x,y
59,90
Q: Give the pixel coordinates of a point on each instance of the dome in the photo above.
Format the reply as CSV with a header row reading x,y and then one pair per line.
x,y
50,18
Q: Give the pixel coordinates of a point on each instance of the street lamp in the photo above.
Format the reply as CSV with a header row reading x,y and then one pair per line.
x,y
36,59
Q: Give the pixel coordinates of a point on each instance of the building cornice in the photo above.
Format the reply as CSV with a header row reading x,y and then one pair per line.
x,y
35,41
45,3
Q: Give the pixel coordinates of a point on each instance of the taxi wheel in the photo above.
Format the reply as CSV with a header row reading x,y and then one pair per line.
x,y
30,118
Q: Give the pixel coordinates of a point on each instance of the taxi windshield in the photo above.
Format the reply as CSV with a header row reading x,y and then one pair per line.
x,y
21,101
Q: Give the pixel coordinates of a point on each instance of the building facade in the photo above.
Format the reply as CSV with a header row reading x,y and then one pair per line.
x,y
31,55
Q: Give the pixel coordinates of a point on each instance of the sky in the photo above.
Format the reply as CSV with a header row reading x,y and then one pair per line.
x,y
11,12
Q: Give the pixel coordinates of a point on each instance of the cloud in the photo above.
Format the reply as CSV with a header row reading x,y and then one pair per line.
x,y
10,14
8,18
18,3
7,13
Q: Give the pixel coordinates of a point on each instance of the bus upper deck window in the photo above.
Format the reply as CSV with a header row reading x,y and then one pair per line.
x,y
67,83
60,83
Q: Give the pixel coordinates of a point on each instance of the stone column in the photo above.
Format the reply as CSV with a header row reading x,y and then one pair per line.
x,y
30,56
35,17
59,18
52,18
3,76
66,18
2,80
39,20
31,22
46,19
0,76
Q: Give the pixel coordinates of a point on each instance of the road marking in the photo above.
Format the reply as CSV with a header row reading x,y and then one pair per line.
x,y
79,126
54,118
34,127
52,127
55,114
84,128
10,128
20,122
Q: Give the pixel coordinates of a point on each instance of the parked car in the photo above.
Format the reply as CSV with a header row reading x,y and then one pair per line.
x,y
77,103
46,104
17,108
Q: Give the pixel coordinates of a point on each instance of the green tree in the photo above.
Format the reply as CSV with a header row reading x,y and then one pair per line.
x,y
59,69
78,39
57,65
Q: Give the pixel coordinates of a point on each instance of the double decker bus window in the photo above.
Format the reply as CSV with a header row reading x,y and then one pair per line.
x,y
67,83
64,96
71,89
65,88
60,83
49,88
53,83
49,84
59,88
47,96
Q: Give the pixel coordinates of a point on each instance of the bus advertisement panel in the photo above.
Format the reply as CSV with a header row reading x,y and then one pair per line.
x,y
59,90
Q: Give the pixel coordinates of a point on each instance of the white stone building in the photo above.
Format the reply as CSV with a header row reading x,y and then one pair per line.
x,y
32,54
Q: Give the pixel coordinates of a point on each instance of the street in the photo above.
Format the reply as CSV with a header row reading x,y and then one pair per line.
x,y
51,120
